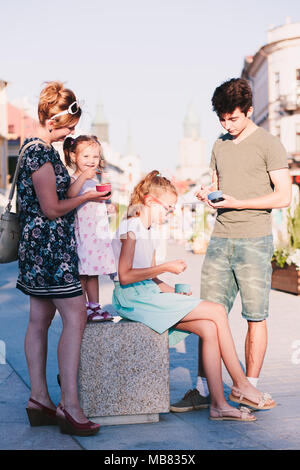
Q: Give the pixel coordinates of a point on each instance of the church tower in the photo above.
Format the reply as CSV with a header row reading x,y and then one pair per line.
x,y
130,163
100,124
191,123
192,163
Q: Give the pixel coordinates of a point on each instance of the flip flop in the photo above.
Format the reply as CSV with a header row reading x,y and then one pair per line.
x,y
261,405
228,415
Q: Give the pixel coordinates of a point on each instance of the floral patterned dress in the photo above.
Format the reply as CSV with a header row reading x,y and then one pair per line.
x,y
48,261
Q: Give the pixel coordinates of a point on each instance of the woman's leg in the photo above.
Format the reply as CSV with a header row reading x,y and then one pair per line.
x,y
42,312
73,314
83,280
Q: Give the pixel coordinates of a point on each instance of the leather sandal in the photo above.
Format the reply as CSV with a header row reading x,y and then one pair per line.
x,y
69,425
42,416
217,414
243,400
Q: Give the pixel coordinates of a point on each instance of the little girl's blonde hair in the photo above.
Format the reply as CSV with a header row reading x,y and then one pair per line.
x,y
71,145
153,182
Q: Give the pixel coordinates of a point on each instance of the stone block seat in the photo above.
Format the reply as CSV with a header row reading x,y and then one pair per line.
x,y
123,373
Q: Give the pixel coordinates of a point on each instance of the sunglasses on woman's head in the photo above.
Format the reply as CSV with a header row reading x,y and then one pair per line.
x,y
72,109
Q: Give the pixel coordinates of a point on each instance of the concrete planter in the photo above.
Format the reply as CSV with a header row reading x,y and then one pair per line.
x,y
286,279
124,373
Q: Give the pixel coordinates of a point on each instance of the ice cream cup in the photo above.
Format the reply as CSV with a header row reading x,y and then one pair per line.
x,y
215,196
103,187
182,288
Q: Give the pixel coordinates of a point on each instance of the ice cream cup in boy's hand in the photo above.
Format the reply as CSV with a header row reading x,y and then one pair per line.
x,y
215,196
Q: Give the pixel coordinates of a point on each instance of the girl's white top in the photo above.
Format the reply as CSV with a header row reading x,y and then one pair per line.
x,y
147,240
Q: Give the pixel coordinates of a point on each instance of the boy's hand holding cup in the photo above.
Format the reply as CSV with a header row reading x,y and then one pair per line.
x,y
204,191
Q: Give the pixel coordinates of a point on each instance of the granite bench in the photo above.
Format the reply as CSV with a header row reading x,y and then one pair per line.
x,y
123,373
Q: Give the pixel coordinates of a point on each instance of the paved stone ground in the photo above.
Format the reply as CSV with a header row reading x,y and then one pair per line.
x,y
276,429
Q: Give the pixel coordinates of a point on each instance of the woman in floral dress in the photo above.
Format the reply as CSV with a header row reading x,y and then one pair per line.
x,y
48,263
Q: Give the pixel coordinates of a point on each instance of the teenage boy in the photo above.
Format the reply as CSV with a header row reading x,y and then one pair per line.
x,y
250,166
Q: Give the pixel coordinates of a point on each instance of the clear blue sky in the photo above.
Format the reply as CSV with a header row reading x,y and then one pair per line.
x,y
146,59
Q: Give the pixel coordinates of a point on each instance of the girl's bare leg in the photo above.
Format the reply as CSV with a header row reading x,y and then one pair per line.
x,y
92,289
216,313
207,330
42,312
73,314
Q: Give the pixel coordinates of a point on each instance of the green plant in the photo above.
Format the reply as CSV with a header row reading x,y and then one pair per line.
x,y
289,254
293,225
280,256
201,224
117,217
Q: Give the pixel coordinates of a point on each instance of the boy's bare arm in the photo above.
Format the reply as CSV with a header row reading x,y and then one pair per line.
x,y
280,197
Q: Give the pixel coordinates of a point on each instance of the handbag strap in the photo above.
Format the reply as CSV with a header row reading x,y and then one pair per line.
x,y
14,181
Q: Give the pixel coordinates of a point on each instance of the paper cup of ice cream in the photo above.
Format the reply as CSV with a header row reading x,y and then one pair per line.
x,y
182,288
103,187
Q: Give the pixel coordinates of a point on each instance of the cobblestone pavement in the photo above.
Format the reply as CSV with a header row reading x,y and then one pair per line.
x,y
273,430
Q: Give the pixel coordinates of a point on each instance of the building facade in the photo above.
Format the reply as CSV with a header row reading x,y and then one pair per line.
x,y
274,75
20,125
3,136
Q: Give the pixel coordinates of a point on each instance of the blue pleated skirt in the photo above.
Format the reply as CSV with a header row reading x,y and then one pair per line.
x,y
161,311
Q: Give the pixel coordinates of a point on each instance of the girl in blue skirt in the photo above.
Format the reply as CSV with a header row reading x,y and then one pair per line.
x,y
139,295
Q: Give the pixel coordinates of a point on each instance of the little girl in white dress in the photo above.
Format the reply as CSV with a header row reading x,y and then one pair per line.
x,y
91,222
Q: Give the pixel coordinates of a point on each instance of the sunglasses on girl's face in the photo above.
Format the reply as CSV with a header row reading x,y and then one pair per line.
x,y
72,109
168,209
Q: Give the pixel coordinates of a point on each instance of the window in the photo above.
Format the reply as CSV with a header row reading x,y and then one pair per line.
x,y
277,84
298,78
11,128
298,138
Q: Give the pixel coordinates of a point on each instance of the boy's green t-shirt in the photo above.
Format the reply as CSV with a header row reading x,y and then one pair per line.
x,y
243,172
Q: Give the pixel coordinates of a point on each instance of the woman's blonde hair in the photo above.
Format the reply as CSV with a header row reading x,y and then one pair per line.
x,y
153,182
55,98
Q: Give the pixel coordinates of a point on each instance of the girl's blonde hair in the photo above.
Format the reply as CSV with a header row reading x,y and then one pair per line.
x,y
55,98
153,182
71,146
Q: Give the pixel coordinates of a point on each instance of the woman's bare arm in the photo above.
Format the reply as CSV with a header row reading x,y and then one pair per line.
x,y
44,182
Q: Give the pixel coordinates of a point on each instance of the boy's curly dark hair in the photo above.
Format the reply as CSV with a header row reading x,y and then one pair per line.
x,y
232,94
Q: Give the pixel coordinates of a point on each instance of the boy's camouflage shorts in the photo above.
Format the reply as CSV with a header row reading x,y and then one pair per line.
x,y
239,264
